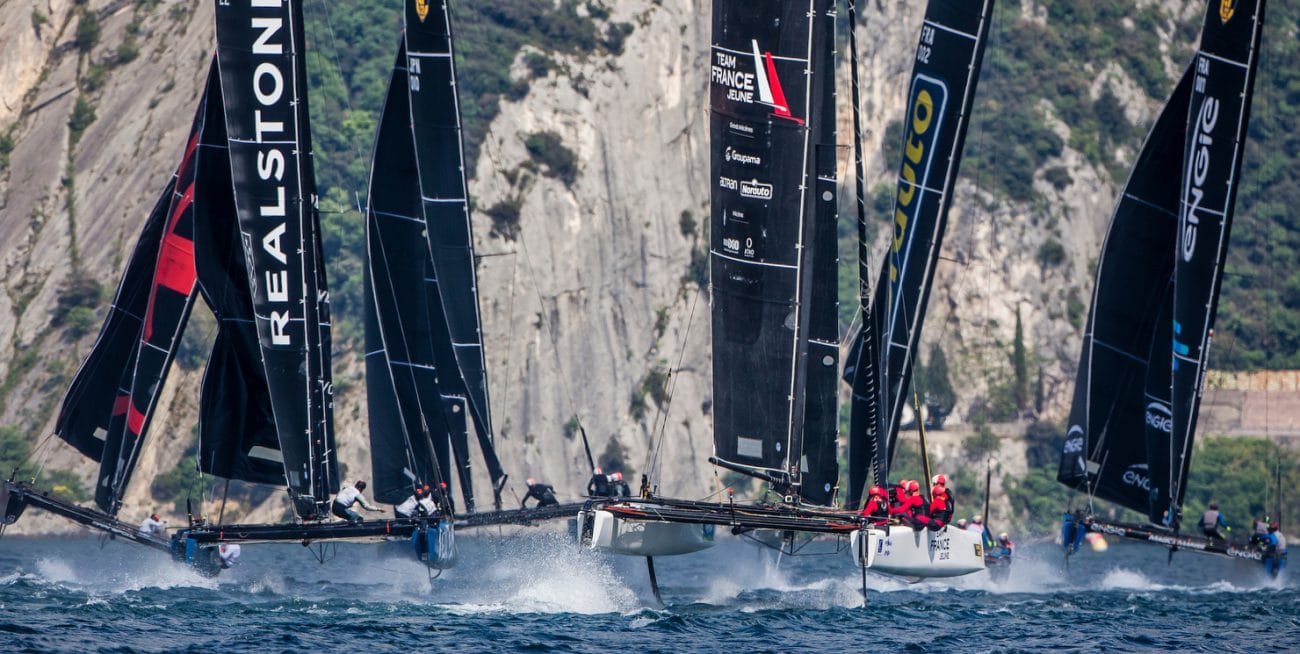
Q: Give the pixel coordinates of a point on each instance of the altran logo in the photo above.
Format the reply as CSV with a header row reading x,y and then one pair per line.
x,y
1226,9
1160,417
1138,475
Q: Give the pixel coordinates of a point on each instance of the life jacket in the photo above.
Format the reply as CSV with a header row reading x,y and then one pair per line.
x,y
1210,519
876,507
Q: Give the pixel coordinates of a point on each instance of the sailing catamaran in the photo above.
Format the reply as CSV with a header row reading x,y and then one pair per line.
x,y
266,412
773,279
1146,346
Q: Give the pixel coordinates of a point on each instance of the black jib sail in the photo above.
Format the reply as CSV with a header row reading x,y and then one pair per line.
x,y
1105,451
942,88
237,437
765,124
93,397
1219,111
263,81
435,123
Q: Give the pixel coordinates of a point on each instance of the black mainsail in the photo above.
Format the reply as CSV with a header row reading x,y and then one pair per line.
x,y
263,81
942,89
767,110
1218,114
425,365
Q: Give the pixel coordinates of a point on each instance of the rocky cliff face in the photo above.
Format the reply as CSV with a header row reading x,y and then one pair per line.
x,y
591,310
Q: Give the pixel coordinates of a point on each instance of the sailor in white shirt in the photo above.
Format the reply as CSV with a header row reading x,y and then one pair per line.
x,y
153,526
411,507
342,506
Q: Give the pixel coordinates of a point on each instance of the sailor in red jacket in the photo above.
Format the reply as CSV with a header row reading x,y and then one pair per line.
x,y
908,502
940,511
877,507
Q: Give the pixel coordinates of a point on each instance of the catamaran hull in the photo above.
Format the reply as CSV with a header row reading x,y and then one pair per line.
x,y
602,530
924,554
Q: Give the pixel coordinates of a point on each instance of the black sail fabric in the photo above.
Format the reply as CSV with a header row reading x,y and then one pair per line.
x,y
408,431
263,81
760,99
435,122
94,395
237,437
1217,118
942,88
166,310
819,466
1105,449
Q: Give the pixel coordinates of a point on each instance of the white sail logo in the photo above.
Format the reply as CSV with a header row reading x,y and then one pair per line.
x,y
742,85
1198,164
1160,417
1137,475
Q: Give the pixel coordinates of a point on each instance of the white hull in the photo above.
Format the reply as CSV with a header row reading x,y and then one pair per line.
x,y
641,537
949,552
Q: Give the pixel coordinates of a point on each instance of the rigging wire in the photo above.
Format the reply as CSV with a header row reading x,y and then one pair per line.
x,y
652,456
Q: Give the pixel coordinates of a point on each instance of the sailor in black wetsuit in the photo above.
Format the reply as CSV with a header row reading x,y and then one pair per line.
x,y
543,493
599,484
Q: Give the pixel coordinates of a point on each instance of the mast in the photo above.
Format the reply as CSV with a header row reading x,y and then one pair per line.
x,y
941,92
1224,70
259,52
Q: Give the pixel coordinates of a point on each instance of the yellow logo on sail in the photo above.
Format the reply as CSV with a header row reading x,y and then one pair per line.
x,y
1226,9
422,9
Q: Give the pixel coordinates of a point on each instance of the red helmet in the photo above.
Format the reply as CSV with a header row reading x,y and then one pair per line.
x,y
913,486
618,476
154,517
939,480
875,490
360,485
531,481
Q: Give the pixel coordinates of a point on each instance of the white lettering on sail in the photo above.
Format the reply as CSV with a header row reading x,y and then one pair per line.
x,y
277,286
1198,167
269,27
279,320
271,244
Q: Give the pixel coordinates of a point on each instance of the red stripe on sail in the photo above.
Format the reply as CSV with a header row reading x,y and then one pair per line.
x,y
135,420
175,268
778,94
121,403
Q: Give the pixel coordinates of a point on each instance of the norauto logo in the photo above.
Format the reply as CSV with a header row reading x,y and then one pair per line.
x,y
751,80
1138,475
422,9
1226,9
928,98
756,189
1160,417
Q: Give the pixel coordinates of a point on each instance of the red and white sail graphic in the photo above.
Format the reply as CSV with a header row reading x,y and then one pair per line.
x,y
769,84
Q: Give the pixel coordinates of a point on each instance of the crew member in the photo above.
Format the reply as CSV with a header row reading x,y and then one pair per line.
x,y
599,484
876,510
543,493
410,508
911,507
940,512
1260,537
961,524
1211,520
153,526
228,553
618,487
342,506
1275,550
976,525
